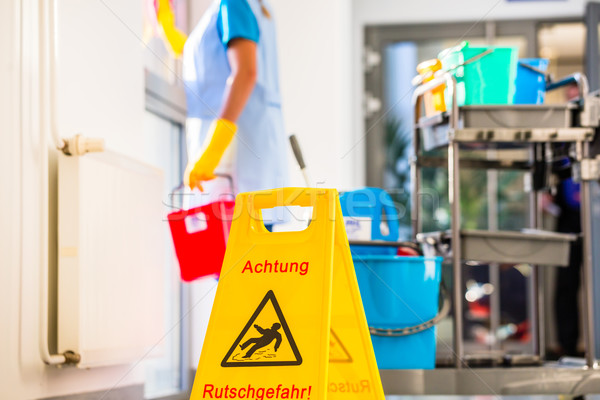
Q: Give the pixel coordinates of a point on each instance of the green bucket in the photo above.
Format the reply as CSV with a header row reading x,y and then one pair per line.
x,y
489,79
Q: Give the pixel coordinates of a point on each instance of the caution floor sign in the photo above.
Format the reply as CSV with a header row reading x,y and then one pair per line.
x,y
287,322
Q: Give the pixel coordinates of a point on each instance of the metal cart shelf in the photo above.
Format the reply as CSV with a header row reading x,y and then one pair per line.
x,y
517,125
531,246
533,128
549,379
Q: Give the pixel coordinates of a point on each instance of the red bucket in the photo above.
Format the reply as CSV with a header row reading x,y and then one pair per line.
x,y
200,237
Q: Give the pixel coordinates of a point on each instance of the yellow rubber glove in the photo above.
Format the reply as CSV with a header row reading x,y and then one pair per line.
x,y
166,19
220,135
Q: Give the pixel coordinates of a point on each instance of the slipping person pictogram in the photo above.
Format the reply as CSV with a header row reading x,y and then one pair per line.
x,y
265,340
268,335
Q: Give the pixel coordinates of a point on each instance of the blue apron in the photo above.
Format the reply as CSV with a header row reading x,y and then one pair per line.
x,y
260,161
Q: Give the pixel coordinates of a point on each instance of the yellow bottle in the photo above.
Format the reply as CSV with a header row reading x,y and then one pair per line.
x,y
434,99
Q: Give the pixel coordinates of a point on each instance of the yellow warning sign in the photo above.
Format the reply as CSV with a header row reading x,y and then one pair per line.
x,y
265,340
288,321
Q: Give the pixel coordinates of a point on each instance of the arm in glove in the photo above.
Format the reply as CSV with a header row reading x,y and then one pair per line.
x,y
166,19
217,140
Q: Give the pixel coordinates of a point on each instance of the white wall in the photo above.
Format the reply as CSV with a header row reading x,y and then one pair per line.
x,y
314,54
195,10
10,204
397,12
100,93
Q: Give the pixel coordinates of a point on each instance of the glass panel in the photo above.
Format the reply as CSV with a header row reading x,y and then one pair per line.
x,y
163,367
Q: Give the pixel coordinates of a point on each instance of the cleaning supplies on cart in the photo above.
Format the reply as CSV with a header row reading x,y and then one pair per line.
x,y
434,100
490,79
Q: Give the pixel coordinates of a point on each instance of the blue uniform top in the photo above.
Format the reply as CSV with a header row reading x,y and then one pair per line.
x,y
260,160
236,20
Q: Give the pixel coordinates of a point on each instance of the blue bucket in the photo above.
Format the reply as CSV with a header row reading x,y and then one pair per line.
x,y
399,292
371,203
530,85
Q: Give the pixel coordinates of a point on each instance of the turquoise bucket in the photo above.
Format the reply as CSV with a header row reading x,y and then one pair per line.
x,y
489,79
399,292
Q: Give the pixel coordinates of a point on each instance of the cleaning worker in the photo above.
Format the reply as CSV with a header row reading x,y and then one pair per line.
x,y
235,124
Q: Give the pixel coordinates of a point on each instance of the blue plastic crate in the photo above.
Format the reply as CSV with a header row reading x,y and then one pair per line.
x,y
372,203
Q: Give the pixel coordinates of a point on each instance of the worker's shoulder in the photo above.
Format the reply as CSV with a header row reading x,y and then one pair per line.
x,y
237,19
236,5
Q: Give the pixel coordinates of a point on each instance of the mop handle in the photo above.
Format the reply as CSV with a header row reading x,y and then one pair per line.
x,y
299,158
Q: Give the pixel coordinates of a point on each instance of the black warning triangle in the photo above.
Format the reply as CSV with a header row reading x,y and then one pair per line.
x,y
270,296
337,350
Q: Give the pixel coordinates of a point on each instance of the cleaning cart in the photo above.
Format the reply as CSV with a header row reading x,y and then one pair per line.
x,y
535,128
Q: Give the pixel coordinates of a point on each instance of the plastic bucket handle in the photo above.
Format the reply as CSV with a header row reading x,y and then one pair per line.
x,y
471,60
411,330
536,70
419,79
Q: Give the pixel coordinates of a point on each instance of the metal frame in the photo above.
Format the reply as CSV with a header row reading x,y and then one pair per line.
x,y
570,380
592,46
453,198
535,292
592,69
164,99
588,268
